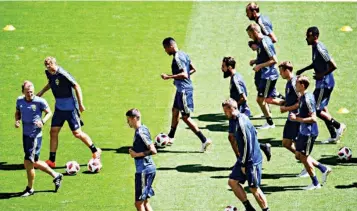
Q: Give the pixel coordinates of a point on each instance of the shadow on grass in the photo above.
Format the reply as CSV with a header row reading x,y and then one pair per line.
x,y
332,160
220,117
353,185
11,167
193,168
271,141
18,194
125,150
272,189
264,176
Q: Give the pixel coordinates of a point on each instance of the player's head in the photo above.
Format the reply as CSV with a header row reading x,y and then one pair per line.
x,y
252,10
28,90
302,83
230,107
169,45
254,31
312,35
285,68
228,65
133,118
50,63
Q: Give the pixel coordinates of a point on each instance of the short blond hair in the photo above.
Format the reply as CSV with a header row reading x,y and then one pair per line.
x,y
50,59
302,79
286,65
231,103
253,27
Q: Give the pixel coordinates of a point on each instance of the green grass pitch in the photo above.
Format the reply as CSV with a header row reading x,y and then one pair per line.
x,y
114,51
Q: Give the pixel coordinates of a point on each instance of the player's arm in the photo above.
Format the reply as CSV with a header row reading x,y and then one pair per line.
x,y
289,108
301,71
17,118
45,89
79,96
234,144
182,75
151,151
311,119
272,61
192,69
48,114
331,66
273,37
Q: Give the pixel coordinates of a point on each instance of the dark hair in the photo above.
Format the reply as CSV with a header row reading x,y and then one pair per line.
x,y
250,43
133,113
304,80
252,6
168,41
314,31
229,61
286,65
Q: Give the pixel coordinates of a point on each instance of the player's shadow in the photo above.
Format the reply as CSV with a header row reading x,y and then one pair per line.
x,y
271,141
264,176
333,161
11,167
18,194
194,168
353,185
260,118
214,127
268,189
125,150
257,126
220,117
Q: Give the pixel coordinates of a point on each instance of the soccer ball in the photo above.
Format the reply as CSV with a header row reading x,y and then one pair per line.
x,y
345,154
94,165
161,140
72,167
231,208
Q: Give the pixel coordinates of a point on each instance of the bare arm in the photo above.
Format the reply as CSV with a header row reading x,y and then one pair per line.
x,y
192,69
17,118
151,151
331,67
310,119
242,99
79,96
234,144
182,75
45,89
273,37
289,108
299,72
272,60
48,114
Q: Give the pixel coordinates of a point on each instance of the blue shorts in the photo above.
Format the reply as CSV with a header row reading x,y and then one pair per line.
x,y
244,109
32,147
253,174
322,97
72,117
304,144
184,102
291,130
266,88
143,186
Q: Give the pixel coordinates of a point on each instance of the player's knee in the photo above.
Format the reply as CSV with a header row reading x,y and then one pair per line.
x,y
297,156
138,204
253,190
260,100
185,118
269,100
232,182
286,143
77,134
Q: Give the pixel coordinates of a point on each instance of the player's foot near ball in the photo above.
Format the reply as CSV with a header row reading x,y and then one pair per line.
x,y
171,141
206,145
51,164
312,187
325,174
266,126
58,181
97,154
340,131
267,151
330,141
28,192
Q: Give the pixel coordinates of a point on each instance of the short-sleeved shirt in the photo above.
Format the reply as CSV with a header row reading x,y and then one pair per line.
x,y
237,87
265,24
181,61
142,140
31,111
320,60
62,84
291,95
307,106
266,50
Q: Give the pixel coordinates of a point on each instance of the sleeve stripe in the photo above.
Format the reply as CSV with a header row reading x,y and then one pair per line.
x,y
293,83
236,83
309,104
262,26
178,62
241,125
68,76
323,52
267,49
144,138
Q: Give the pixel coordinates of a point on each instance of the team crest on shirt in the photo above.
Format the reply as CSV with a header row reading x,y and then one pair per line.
x,y
33,107
258,50
57,82
288,90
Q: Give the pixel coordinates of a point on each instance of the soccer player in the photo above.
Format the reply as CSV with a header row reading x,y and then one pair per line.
x,y
63,86
238,92
141,151
323,65
252,11
308,132
265,63
291,105
182,69
249,163
29,110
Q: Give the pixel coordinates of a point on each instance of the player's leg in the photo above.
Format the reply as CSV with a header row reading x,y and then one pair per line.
x,y
235,178
29,147
175,116
139,205
143,190
147,205
254,174
290,133
57,122
265,88
75,123
266,148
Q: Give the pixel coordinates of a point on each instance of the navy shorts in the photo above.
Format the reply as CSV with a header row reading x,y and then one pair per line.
x,y
266,88
252,173
291,130
72,117
184,102
143,186
32,147
304,144
322,97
